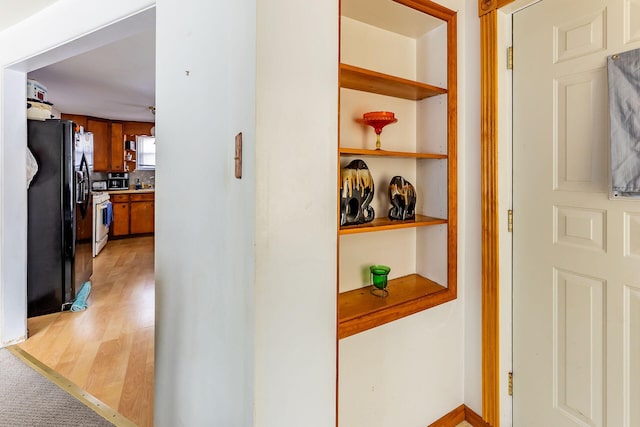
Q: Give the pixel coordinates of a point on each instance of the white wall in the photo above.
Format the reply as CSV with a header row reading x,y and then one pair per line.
x,y
205,76
296,134
470,214
13,202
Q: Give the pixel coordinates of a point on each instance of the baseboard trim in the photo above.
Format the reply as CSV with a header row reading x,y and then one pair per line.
x,y
474,419
14,341
89,400
458,415
451,419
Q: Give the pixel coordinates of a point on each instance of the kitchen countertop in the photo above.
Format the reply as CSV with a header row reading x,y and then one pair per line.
x,y
132,191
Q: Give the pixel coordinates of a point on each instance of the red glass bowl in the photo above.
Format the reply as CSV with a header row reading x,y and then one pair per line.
x,y
377,120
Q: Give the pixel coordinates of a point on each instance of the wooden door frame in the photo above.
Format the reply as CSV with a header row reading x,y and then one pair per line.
x,y
488,12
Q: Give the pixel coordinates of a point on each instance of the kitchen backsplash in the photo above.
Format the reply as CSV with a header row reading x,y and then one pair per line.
x,y
147,178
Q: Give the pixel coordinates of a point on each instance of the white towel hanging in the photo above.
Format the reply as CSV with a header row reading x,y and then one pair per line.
x,y
32,167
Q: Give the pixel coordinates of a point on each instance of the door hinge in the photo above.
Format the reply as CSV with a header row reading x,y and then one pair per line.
x,y
510,58
510,383
510,220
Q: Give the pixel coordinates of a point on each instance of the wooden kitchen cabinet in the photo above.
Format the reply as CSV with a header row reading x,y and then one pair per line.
x,y
117,148
77,119
142,213
130,154
129,160
132,214
121,214
101,144
109,154
137,128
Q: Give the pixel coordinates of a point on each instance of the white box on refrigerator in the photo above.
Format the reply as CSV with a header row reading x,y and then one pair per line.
x,y
35,90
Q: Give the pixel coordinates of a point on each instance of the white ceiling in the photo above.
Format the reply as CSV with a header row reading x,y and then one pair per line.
x,y
14,11
116,81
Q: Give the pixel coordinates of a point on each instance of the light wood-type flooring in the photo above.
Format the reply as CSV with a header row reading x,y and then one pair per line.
x,y
107,349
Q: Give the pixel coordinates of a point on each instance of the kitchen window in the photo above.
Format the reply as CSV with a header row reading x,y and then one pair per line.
x,y
146,152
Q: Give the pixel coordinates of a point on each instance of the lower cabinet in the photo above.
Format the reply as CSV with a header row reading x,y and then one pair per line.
x,y
132,214
120,224
142,213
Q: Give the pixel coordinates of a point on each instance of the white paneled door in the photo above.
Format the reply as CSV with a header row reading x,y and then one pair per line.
x,y
576,307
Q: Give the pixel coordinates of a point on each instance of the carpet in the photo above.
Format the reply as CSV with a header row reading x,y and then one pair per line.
x,y
27,398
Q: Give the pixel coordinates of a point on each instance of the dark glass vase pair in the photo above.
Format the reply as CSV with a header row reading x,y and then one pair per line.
x,y
357,190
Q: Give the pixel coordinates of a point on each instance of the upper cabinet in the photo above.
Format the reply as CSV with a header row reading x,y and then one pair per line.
x,y
101,143
117,148
109,136
79,120
137,128
398,56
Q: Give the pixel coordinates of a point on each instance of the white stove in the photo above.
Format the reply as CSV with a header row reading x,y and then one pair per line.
x,y
102,217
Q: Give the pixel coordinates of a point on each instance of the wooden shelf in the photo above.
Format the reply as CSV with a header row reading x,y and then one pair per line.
x,y
385,153
384,223
357,78
359,311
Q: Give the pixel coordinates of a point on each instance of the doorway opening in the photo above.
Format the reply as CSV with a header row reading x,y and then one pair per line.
x,y
107,349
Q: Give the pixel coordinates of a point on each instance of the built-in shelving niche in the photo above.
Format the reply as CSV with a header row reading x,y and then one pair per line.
x,y
400,58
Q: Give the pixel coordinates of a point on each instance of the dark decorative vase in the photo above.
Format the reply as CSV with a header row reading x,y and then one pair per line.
x,y
402,196
356,193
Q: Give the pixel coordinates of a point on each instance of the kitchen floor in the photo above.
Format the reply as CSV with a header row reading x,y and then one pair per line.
x,y
108,349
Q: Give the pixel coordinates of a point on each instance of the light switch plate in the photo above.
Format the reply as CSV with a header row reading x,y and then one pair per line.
x,y
238,155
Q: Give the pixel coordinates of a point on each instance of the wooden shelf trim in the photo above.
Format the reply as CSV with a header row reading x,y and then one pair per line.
x,y
385,153
359,311
432,8
357,78
384,223
489,70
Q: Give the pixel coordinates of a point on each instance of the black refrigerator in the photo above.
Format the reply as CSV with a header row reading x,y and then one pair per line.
x,y
60,216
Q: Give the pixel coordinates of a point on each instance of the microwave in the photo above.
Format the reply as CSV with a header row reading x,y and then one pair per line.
x,y
118,181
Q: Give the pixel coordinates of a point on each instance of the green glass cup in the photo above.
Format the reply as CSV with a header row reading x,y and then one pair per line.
x,y
379,279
